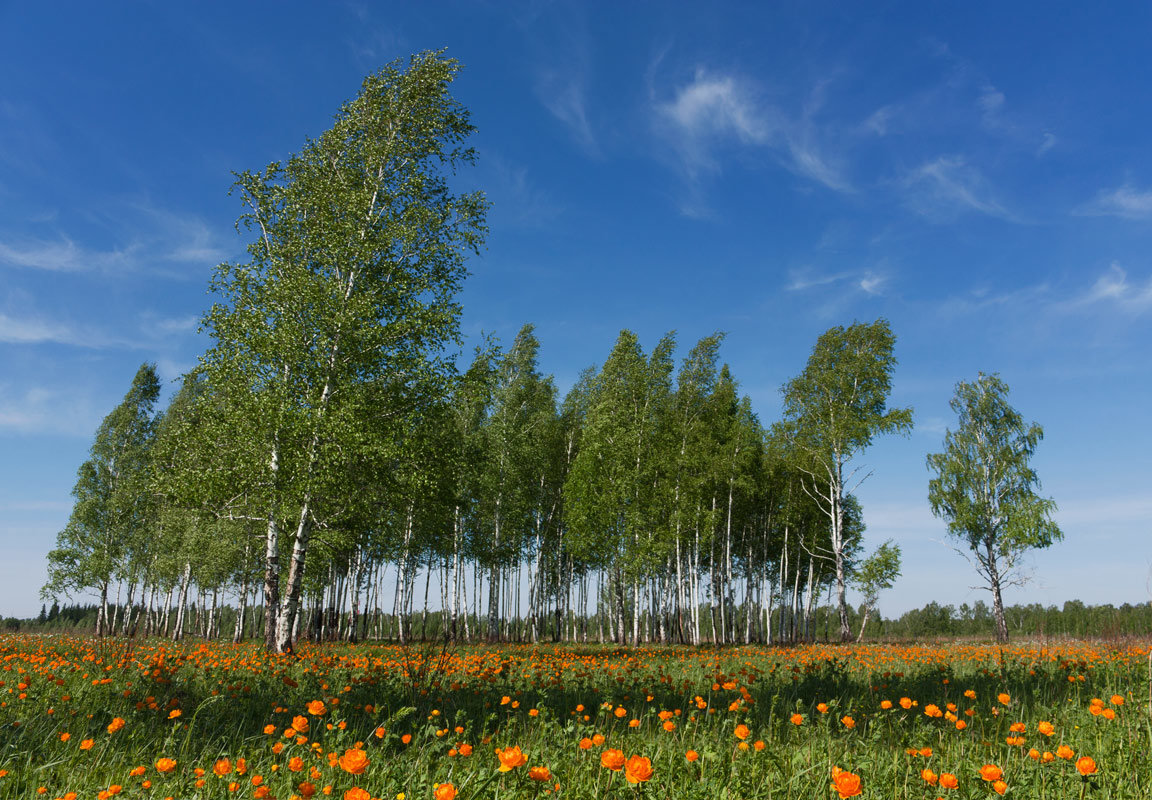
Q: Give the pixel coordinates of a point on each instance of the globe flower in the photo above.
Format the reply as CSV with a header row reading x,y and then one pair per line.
x,y
300,723
638,769
444,791
797,719
1046,728
510,758
222,768
354,761
356,793
846,784
948,781
1085,766
1065,752
116,724
991,772
612,759
691,755
848,723
929,777
539,774
742,731
1000,787
316,708
165,765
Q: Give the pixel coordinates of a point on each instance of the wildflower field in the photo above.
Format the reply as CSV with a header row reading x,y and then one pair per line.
x,y
81,718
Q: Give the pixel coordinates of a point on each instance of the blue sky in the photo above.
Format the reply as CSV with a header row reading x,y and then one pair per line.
x,y
977,173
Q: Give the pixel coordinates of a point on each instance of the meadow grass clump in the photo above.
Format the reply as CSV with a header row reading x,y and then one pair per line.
x,y
84,719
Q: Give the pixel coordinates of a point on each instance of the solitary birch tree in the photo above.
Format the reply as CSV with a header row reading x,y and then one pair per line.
x,y
986,489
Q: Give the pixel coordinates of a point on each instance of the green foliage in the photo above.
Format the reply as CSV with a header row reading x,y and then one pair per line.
x,y
985,487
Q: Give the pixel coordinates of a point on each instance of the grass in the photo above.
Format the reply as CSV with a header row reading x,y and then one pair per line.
x,y
426,722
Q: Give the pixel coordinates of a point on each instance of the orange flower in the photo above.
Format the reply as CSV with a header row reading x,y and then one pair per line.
x,y
1046,728
1085,766
1004,698
1116,700
316,708
598,739
539,774
612,759
823,707
1000,787
970,694
884,704
174,713
797,719
306,789
510,758
296,763
300,723
691,755
444,791
222,767
948,780
925,752
87,744
165,765
269,729
742,731
116,724
354,761
846,784
848,722
933,710
356,793
620,711
929,777
406,738
669,725
905,702
65,737
991,772
1065,752
465,749
638,769
633,723
1034,754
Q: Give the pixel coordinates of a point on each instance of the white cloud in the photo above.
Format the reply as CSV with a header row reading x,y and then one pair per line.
x,y
39,410
947,185
156,241
713,111
1115,288
1046,143
566,99
1126,201
37,331
64,255
33,330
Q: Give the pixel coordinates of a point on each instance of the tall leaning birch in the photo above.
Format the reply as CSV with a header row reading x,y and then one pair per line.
x,y
833,409
358,253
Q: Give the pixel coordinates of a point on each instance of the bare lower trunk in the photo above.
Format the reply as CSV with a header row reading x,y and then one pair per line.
x,y
182,602
997,600
290,605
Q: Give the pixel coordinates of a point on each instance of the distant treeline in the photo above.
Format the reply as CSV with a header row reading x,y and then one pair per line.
x,y
1073,619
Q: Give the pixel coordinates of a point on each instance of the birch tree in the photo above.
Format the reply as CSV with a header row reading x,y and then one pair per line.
x,y
114,510
358,253
985,487
834,409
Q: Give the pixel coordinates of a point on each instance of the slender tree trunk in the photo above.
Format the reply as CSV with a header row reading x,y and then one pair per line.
x,y
178,629
997,599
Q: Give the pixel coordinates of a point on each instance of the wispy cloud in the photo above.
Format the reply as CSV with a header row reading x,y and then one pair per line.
x,y
566,98
716,111
157,241
1126,201
40,410
517,200
947,186
37,330
1114,288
